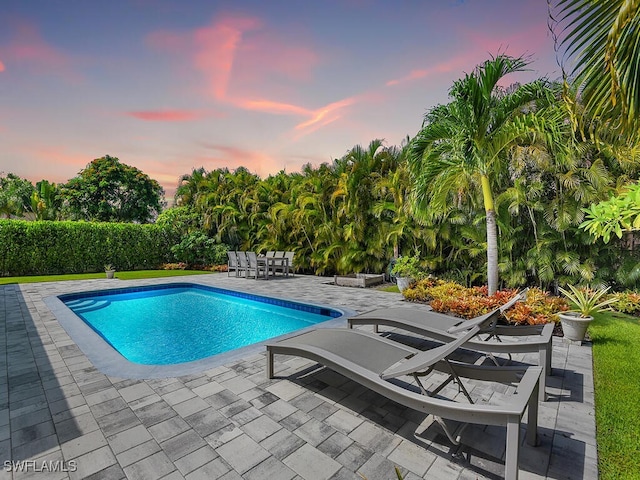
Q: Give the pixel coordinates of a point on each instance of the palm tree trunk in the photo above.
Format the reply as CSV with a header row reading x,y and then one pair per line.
x,y
492,236
492,252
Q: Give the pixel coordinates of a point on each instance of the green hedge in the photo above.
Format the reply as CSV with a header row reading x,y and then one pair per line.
x,y
42,248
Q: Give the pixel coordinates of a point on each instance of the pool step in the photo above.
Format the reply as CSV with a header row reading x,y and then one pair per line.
x,y
87,305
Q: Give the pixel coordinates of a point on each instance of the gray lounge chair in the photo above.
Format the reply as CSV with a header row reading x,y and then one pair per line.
x,y
505,339
377,363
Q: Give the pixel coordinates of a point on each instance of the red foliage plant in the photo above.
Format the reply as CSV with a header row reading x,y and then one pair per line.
x,y
454,299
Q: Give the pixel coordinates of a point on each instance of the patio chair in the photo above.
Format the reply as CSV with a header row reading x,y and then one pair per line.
x,y
270,254
232,263
505,339
379,363
260,269
277,264
285,266
243,263
289,265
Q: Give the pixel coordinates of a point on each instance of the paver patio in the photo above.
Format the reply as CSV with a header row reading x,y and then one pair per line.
x,y
231,422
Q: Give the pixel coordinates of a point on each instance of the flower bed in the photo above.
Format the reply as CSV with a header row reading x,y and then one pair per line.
x,y
460,301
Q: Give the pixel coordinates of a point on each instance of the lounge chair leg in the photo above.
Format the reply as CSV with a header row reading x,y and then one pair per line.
x,y
269,363
532,416
543,361
512,449
454,437
453,377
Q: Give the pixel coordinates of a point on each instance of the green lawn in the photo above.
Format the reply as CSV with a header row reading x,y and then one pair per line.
x,y
133,275
390,288
616,373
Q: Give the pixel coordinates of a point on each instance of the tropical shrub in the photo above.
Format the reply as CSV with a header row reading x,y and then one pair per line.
x,y
408,267
539,308
627,302
468,302
198,249
431,289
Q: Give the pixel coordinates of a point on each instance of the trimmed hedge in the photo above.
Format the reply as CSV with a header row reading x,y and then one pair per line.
x,y
44,248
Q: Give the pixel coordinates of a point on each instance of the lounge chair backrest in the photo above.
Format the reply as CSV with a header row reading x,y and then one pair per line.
x,y
423,360
242,259
279,254
233,258
289,255
484,322
271,253
520,296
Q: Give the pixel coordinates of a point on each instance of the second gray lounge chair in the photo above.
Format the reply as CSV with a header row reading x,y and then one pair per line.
x,y
379,364
505,339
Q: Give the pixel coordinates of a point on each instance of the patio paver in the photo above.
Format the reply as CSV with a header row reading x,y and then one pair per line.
x,y
229,421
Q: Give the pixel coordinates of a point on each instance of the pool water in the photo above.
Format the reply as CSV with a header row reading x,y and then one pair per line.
x,y
173,324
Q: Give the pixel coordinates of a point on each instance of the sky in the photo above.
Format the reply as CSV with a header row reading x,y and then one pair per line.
x,y
172,85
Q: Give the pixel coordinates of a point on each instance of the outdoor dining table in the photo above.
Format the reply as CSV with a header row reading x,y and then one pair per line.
x,y
271,262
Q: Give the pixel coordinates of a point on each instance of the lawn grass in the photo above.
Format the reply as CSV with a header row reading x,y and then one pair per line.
x,y
616,376
132,275
390,288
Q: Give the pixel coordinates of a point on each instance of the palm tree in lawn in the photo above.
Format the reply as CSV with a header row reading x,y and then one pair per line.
x,y
603,39
461,147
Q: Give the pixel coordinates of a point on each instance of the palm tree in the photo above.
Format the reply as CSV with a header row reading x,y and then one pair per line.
x,y
602,36
46,202
461,147
189,186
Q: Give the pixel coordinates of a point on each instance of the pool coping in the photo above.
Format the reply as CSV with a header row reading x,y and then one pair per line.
x,y
110,362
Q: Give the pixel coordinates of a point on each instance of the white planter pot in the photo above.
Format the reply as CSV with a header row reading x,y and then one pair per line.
x,y
110,273
573,326
403,283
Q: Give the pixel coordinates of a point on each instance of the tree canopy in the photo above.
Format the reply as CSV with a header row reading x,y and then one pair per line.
x,y
15,195
602,38
107,190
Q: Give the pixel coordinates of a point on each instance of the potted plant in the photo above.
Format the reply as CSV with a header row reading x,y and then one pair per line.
x,y
587,301
407,270
109,270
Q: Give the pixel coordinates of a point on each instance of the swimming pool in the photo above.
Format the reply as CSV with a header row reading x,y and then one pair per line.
x,y
176,324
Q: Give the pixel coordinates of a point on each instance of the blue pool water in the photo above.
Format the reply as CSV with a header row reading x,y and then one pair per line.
x,y
171,324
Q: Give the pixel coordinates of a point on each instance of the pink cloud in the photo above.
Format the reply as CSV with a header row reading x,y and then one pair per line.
x,y
315,118
166,115
454,63
211,50
238,51
326,115
270,106
233,157
215,50
28,48
484,43
2,67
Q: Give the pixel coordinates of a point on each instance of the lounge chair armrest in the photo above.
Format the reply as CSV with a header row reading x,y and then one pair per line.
x,y
544,331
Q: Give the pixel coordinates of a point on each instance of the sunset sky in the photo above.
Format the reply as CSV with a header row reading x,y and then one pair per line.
x,y
171,85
